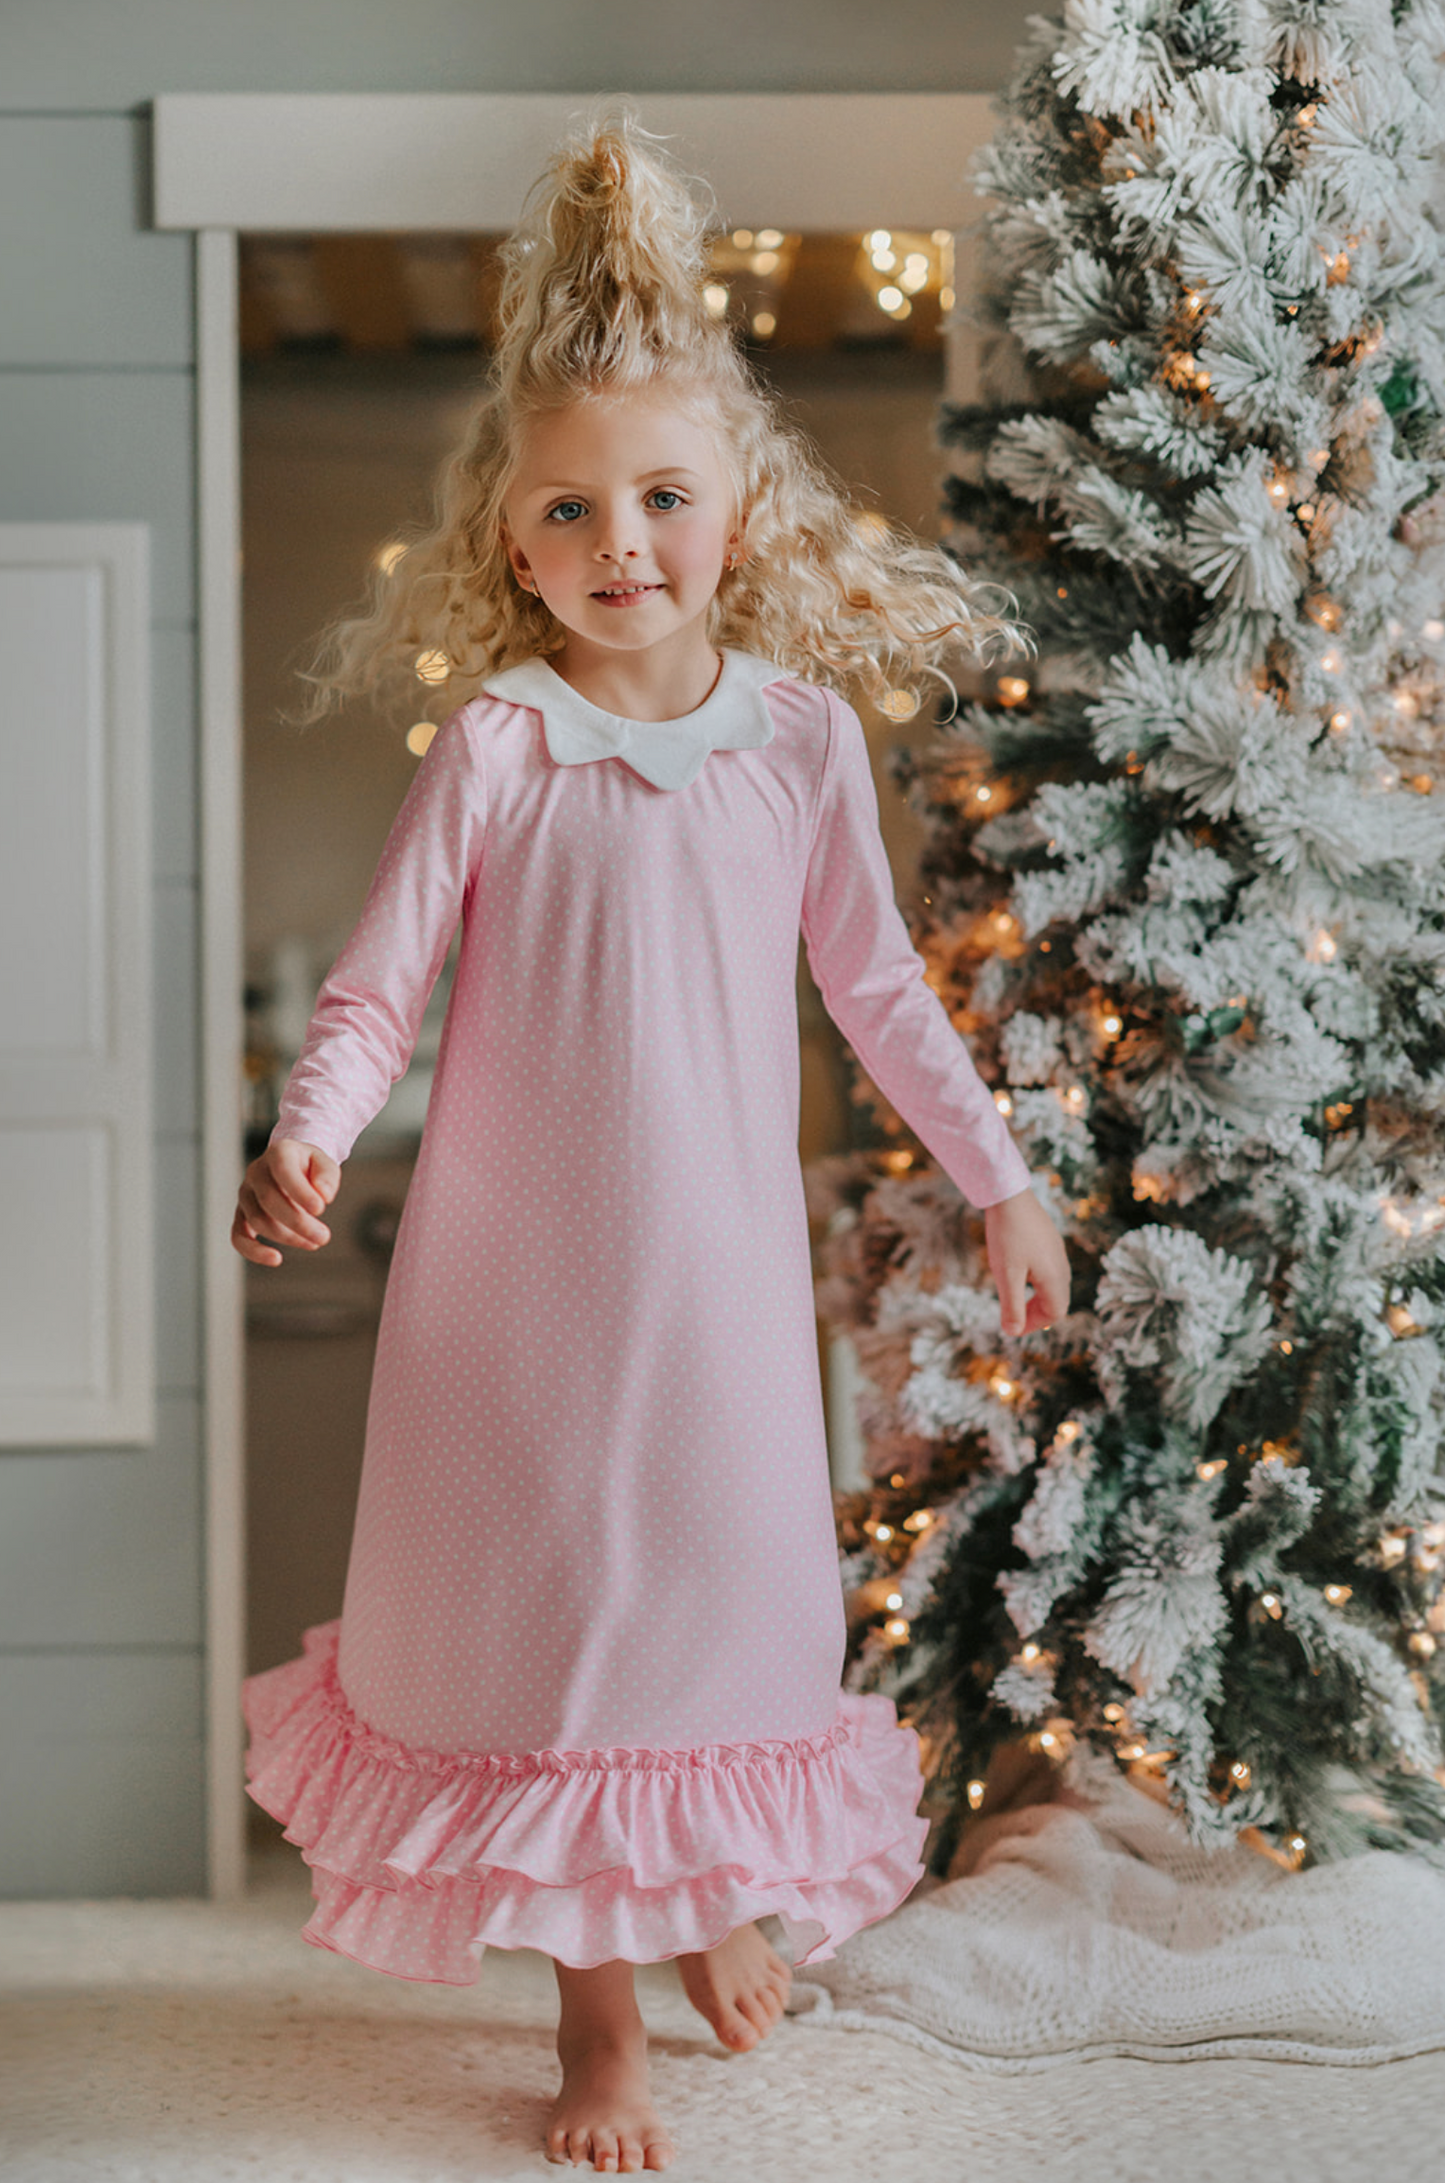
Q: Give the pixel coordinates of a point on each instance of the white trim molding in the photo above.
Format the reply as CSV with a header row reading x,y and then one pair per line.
x,y
77,1289
272,161
222,1041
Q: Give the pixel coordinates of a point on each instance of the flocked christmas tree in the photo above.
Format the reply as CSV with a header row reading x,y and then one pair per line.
x,y
1184,894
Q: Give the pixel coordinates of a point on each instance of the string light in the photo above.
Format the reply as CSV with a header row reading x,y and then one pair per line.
x,y
896,1628
1239,1774
1003,1102
1012,689
1112,1026
432,666
1272,1605
1212,1469
1338,1594
1069,1431
975,1795
983,793
419,736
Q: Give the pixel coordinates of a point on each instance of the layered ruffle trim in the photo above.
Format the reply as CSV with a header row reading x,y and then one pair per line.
x,y
421,1859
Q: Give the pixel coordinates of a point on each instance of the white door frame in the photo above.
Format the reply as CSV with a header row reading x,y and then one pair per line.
x,y
227,164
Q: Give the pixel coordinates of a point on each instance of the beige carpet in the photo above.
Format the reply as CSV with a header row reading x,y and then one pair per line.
x,y
184,2043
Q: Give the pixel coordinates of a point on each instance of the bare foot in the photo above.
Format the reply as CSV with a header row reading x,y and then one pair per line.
x,y
604,2112
740,1986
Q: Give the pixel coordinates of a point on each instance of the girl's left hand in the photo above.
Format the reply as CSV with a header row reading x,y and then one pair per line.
x,y
1025,1246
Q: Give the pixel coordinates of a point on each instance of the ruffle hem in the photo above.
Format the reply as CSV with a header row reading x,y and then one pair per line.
x,y
421,1859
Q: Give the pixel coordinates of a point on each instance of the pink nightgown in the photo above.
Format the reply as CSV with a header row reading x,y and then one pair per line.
x,y
584,1692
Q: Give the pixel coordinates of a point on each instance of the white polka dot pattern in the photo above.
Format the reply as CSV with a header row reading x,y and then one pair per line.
x,y
584,1691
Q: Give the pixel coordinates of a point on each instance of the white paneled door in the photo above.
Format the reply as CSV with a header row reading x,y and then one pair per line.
x,y
77,1313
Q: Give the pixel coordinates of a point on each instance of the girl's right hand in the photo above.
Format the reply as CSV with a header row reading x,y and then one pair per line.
x,y
281,1193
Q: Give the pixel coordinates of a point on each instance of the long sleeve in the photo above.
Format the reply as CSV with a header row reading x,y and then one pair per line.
x,y
364,1026
872,981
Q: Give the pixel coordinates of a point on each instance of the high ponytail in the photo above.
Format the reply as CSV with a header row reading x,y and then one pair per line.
x,y
603,277
602,294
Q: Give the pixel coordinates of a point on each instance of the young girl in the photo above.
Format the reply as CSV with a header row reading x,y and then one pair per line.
x,y
584,1693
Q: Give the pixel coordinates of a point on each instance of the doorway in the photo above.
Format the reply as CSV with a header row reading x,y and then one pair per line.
x,y
229,164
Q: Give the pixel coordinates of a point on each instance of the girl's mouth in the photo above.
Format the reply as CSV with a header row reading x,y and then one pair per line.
x,y
626,594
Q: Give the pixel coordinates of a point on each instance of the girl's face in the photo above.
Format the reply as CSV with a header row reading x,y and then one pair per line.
x,y
621,517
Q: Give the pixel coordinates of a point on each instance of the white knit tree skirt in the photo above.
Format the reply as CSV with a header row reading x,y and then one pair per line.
x,y
1091,1926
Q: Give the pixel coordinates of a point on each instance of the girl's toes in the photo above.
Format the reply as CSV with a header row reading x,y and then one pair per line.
x,y
629,2155
735,2031
658,2153
604,2152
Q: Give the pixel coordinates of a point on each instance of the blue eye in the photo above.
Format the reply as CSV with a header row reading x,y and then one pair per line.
x,y
667,493
567,510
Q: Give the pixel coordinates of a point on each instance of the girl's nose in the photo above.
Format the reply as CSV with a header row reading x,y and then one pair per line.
x,y
617,538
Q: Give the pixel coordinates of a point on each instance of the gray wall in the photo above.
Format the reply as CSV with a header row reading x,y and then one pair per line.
x,y
101,1550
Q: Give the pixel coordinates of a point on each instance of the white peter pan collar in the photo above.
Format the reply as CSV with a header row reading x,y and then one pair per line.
x,y
669,753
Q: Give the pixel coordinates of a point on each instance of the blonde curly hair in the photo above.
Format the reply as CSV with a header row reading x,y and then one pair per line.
x,y
602,294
